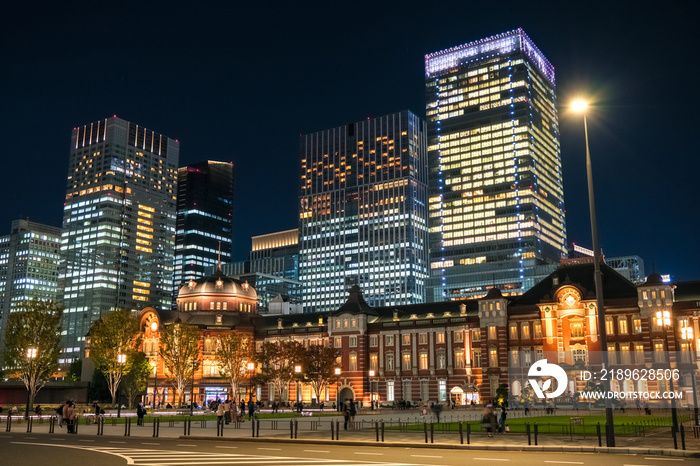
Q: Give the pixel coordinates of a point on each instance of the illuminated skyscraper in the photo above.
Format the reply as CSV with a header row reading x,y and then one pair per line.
x,y
204,219
29,258
119,224
496,200
363,212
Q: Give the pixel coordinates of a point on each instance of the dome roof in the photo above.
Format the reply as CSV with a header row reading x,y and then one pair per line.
x,y
494,293
654,279
217,284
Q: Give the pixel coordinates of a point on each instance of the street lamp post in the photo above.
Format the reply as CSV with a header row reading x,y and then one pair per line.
x,y
371,389
580,106
155,383
31,356
696,410
194,361
251,369
121,360
297,371
337,389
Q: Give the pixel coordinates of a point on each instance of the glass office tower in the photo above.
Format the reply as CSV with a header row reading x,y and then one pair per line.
x,y
118,237
29,258
363,212
204,219
496,200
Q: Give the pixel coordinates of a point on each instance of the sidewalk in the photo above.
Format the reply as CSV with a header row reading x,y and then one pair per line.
x,y
658,442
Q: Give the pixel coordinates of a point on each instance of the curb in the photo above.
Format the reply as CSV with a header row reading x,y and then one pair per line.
x,y
450,446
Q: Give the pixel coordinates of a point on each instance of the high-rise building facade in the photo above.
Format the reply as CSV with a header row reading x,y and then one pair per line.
x,y
363,212
29,258
118,224
204,219
496,199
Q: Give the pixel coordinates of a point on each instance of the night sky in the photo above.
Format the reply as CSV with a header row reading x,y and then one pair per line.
x,y
240,82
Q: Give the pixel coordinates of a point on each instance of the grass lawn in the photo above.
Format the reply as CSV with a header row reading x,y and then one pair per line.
x,y
563,425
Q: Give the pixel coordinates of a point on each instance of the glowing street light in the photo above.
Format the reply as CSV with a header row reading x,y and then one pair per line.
x,y
251,368
121,360
337,389
580,106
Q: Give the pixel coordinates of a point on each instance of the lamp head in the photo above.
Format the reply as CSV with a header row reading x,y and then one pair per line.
x,y
579,105
337,371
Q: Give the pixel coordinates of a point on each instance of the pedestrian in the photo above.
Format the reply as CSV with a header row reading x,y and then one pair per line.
x,y
140,413
346,413
69,416
353,412
437,409
59,411
502,420
233,413
421,406
220,413
251,409
227,411
489,420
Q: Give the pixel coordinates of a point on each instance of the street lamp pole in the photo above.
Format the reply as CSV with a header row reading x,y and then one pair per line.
x,y
297,371
371,389
194,361
121,359
337,389
251,369
31,356
580,106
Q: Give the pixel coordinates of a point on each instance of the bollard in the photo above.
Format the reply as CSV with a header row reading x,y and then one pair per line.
x,y
461,434
682,437
332,431
469,432
51,424
158,429
296,428
597,430
252,423
675,437
184,427
127,427
425,429
376,429
30,419
76,422
536,431
291,429
432,432
189,427
527,429
337,430
382,431
155,421
98,424
257,428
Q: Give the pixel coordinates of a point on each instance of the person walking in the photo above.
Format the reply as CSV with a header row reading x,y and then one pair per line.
x,y
219,413
59,411
353,412
489,420
233,413
346,413
251,410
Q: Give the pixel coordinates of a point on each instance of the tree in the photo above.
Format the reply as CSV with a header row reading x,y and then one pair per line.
x,y
277,361
99,391
75,370
318,363
135,381
33,343
233,353
179,349
115,334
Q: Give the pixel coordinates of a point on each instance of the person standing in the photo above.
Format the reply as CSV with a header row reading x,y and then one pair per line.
x,y
489,420
234,411
59,411
346,413
227,411
140,413
353,411
220,413
251,410
69,416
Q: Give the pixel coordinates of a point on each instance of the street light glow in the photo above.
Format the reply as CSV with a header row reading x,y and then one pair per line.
x,y
337,371
251,366
297,369
121,358
31,353
579,105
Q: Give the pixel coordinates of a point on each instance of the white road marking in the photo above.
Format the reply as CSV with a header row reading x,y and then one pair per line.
x,y
115,441
565,462
149,443
491,459
31,438
318,451
181,444
274,449
426,456
219,446
365,453
81,440
664,459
